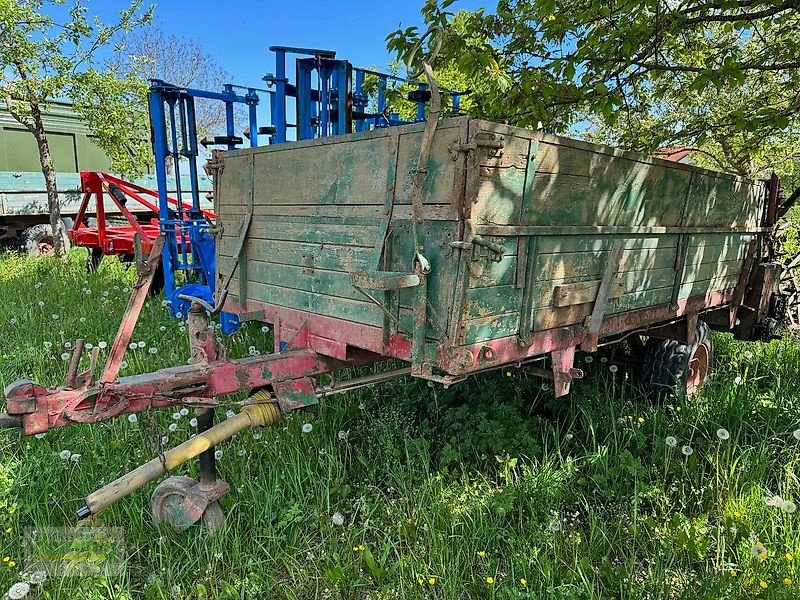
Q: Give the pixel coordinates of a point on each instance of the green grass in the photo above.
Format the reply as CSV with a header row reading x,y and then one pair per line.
x,y
440,489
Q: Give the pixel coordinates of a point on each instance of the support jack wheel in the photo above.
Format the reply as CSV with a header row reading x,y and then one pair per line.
x,y
179,502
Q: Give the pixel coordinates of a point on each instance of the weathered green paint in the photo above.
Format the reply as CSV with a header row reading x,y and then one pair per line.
x,y
327,209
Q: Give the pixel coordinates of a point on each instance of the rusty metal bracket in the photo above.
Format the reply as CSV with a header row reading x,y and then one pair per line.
x,y
563,372
494,143
384,280
131,316
680,267
595,320
741,284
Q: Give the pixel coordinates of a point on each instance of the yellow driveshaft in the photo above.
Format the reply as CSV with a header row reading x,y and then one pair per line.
x,y
252,415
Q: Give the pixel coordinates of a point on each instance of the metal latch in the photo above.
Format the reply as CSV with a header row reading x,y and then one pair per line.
x,y
482,248
493,142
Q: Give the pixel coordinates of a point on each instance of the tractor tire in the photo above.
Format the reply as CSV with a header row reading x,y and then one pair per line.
x,y
675,368
38,240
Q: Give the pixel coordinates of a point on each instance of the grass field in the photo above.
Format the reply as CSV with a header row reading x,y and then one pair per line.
x,y
491,489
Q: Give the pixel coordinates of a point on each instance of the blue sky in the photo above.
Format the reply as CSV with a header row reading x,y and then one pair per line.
x,y
238,32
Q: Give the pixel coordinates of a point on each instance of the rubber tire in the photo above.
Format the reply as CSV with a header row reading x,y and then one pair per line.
x,y
213,517
666,364
158,281
31,237
93,259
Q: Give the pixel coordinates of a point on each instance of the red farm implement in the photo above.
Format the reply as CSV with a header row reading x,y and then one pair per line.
x,y
109,237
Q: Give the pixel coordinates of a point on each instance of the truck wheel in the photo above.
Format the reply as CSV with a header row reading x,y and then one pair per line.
x,y
675,368
38,240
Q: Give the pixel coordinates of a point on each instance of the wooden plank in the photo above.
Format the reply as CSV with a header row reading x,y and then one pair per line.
x,y
330,283
490,328
439,186
351,173
559,245
325,256
559,266
341,308
375,213
306,231
490,273
579,293
498,197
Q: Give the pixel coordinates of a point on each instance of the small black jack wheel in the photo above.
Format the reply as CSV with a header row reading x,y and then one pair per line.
x,y
168,506
671,367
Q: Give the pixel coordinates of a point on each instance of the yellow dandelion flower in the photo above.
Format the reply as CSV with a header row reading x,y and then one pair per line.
x,y
9,530
431,580
490,580
640,419
355,548
733,573
6,558
787,581
12,564
738,514
420,580
523,582
12,510
763,584
508,373
789,556
482,553
361,547
678,409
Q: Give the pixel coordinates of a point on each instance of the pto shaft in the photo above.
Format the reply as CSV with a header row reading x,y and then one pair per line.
x,y
252,415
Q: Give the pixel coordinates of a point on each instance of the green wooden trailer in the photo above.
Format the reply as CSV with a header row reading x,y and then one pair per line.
x,y
498,247
536,244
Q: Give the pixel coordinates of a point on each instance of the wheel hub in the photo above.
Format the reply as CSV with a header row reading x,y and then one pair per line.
x,y
699,366
46,246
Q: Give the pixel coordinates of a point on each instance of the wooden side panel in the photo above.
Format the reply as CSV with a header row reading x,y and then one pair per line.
x,y
647,276
322,210
569,183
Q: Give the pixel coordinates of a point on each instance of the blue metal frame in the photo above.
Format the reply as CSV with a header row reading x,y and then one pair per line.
x,y
337,105
188,244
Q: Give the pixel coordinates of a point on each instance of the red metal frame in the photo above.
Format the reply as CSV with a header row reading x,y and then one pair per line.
x,y
117,239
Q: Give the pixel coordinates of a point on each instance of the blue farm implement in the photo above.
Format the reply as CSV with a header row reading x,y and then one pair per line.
x,y
330,97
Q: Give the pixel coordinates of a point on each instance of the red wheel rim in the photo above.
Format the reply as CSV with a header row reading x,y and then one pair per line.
x,y
699,365
46,246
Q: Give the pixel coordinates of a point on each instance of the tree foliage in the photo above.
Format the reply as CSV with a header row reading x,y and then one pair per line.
x,y
702,73
44,59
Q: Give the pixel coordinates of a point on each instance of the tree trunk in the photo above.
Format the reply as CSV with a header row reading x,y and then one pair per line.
x,y
49,172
